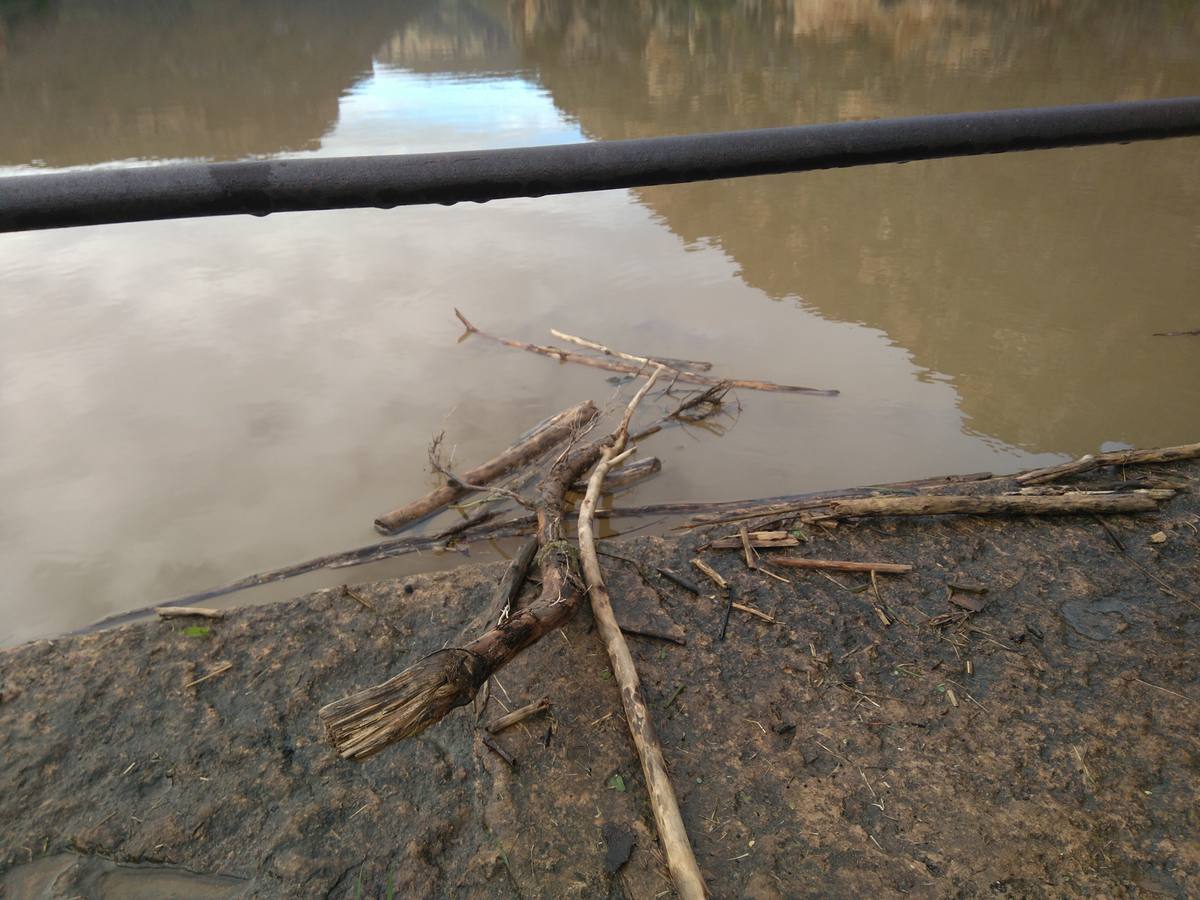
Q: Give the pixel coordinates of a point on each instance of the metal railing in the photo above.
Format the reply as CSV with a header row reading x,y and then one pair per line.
x,y
173,191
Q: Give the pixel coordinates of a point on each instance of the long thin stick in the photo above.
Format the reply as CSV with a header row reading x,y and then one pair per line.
x,y
1115,458
840,565
1004,505
693,364
555,430
630,369
671,831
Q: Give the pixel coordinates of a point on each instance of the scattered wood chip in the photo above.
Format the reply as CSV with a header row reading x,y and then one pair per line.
x,y
713,575
1159,537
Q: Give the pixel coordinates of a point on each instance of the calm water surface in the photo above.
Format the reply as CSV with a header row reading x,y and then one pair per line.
x,y
182,403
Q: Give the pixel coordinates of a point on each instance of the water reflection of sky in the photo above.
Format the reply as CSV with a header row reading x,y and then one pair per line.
x,y
397,111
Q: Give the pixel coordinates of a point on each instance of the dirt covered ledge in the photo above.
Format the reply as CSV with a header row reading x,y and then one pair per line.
x,y
822,754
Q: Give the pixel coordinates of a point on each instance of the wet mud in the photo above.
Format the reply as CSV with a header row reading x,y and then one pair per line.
x,y
822,754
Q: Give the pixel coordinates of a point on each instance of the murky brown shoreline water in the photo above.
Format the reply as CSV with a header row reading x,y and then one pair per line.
x,y
182,403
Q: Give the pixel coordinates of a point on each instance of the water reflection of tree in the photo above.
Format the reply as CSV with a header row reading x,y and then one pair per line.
x,y
96,80
1033,280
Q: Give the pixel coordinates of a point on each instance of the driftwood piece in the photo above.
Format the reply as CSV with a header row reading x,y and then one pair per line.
x,y
201,612
723,511
366,722
841,565
518,715
694,365
1115,458
672,834
631,369
1005,505
541,439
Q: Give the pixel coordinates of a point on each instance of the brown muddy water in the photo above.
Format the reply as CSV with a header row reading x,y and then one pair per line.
x,y
182,403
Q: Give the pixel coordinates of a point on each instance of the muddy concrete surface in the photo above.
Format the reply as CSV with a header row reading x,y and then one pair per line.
x,y
823,754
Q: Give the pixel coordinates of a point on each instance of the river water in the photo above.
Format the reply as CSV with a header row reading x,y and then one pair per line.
x,y
182,403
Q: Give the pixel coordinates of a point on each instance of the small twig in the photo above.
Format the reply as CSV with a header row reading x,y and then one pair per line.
x,y
1159,687
729,604
221,669
752,611
494,746
677,579
518,715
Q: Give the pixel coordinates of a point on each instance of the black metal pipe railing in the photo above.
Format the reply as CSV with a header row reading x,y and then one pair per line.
x,y
173,191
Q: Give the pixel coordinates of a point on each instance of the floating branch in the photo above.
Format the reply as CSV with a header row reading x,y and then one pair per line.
x,y
551,432
631,369
694,365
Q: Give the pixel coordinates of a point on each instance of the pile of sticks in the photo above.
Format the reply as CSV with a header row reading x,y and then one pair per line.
x,y
560,452
368,721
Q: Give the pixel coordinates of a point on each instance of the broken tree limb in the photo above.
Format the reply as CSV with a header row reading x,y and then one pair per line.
x,y
366,722
1192,333
631,369
694,365
1005,505
1114,458
552,432
840,565
672,834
